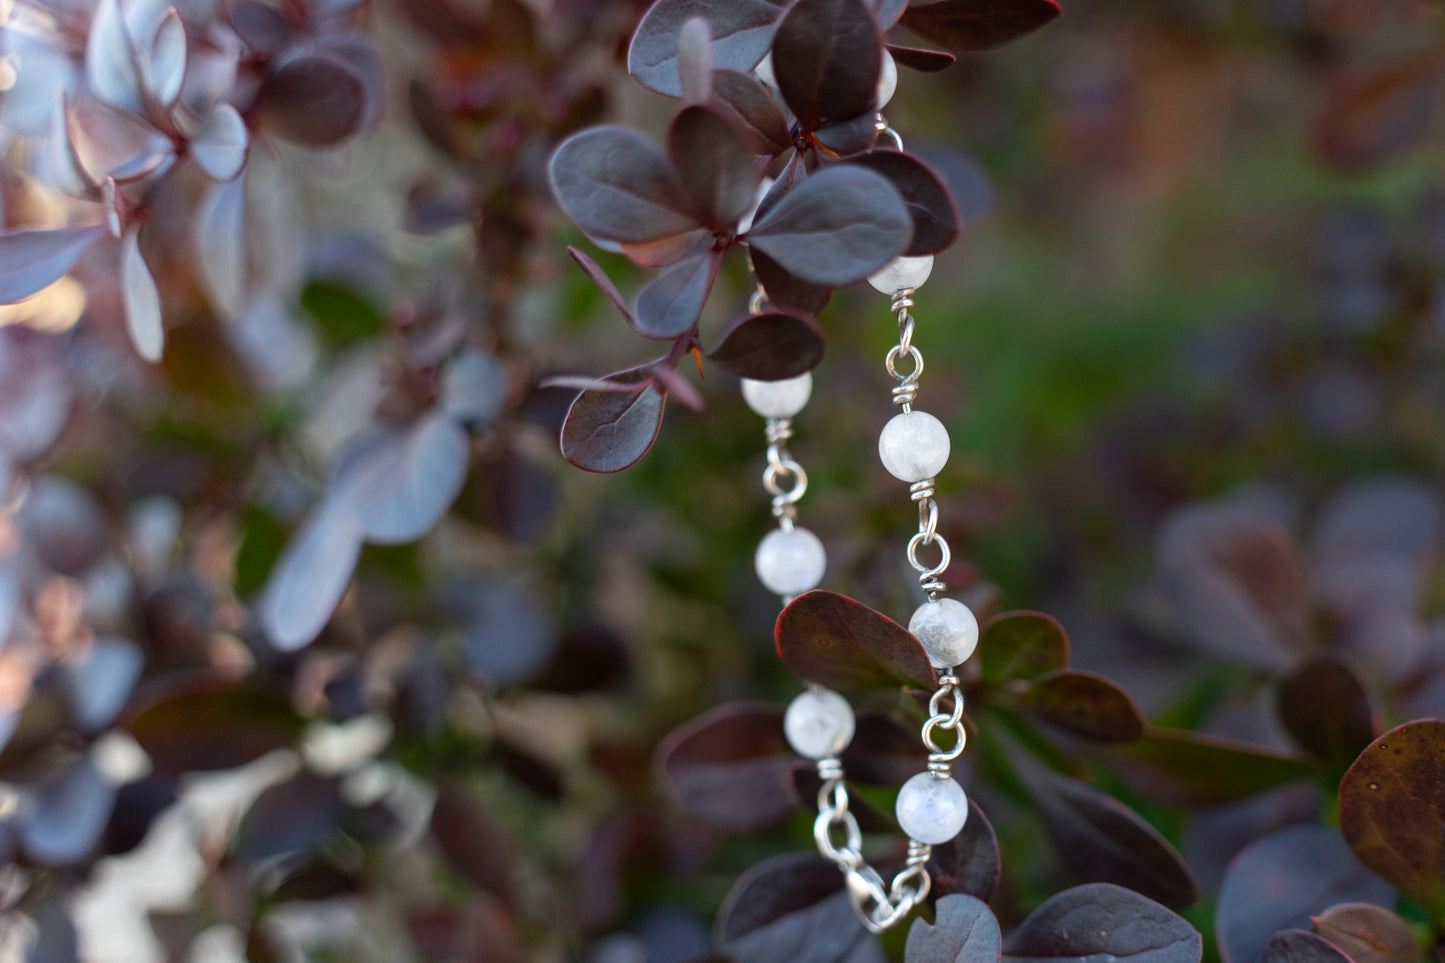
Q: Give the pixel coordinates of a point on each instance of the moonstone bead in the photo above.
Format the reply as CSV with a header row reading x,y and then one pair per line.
x,y
790,563
932,810
887,80
914,446
947,630
778,399
818,724
764,71
902,273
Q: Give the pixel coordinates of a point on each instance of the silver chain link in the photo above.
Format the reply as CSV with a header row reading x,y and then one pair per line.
x,y
879,904
904,394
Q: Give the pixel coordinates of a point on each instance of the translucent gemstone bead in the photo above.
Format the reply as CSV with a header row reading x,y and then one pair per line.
x,y
778,399
902,273
818,724
764,71
914,446
948,631
932,810
887,81
790,563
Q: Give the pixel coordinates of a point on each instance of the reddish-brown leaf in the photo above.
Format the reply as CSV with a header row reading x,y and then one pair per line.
x,y
1368,933
834,641
732,766
973,25
1021,645
1326,709
1085,703
474,846
1392,811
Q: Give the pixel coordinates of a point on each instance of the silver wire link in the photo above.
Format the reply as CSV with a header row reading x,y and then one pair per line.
x,y
878,904
939,759
906,391
783,469
881,126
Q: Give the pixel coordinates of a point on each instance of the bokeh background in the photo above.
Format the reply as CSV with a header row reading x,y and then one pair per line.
x,y
1189,349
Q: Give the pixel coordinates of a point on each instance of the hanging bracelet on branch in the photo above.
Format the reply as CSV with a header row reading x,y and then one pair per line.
x,y
780,147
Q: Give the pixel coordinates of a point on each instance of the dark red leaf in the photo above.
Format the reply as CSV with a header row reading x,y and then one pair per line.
x,y
290,819
669,305
1187,768
1021,645
524,496
207,724
1238,583
826,57
1085,703
732,766
887,12
935,216
742,31
261,28
668,250
1302,946
1374,540
1326,709
1368,117
974,25
137,806
714,165
836,227
749,104
968,183
1103,920
970,862
964,930
589,658
1278,881
927,61
474,846
785,289
604,283
31,261
539,777
1368,933
849,137
883,752
616,186
320,879
1392,811
1104,841
770,347
314,99
790,909
607,431
834,641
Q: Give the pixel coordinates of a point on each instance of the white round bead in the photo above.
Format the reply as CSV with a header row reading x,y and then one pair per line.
x,y
902,273
932,810
764,71
778,399
887,80
818,724
790,563
914,446
947,630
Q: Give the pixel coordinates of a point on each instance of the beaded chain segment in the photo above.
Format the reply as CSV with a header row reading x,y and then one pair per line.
x,y
819,723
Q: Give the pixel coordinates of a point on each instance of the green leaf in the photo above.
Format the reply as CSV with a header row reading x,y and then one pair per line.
x,y
1021,645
